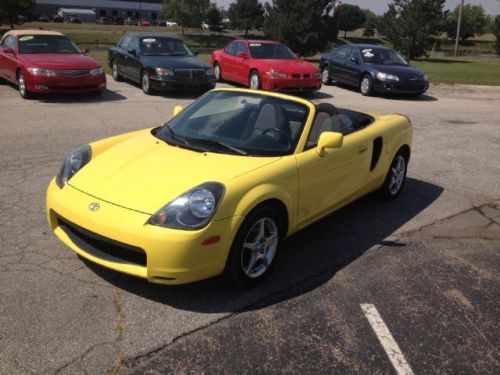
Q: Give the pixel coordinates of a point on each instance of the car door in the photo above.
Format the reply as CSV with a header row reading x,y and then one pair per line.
x,y
228,61
8,61
242,65
331,180
352,67
120,55
337,64
133,58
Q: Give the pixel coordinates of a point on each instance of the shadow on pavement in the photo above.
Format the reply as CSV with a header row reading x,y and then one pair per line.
x,y
106,96
308,259
421,98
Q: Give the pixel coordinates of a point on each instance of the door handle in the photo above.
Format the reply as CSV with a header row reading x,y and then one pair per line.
x,y
362,150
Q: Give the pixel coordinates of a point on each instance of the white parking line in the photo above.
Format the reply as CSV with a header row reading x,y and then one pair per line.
x,y
388,343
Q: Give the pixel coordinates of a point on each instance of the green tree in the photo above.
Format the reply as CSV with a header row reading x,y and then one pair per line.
x,y
351,17
370,25
496,32
187,13
300,24
474,22
246,15
10,9
214,17
412,25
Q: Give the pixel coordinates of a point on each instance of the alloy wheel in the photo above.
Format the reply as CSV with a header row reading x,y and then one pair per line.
x,y
259,247
398,173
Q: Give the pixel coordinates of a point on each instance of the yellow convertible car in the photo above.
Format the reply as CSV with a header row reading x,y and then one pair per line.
x,y
217,188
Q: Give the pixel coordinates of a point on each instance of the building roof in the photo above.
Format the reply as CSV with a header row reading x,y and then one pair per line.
x,y
30,32
88,12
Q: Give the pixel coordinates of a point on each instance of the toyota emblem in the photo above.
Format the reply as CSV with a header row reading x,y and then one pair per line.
x,y
94,206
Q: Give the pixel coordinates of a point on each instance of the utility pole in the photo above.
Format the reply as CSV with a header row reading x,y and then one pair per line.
x,y
459,25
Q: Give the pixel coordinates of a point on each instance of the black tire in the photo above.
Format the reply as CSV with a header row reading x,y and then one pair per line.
x,y
257,84
326,78
240,255
396,178
146,83
366,85
23,88
114,72
218,75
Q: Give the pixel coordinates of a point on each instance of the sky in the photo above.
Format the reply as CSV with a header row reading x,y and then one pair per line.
x,y
380,6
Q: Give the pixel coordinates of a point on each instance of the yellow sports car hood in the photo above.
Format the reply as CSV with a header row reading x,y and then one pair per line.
x,y
144,173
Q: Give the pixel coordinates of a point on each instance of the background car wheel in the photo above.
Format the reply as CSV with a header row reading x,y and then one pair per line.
x,y
325,75
255,247
146,83
23,88
254,81
114,72
218,72
396,177
366,85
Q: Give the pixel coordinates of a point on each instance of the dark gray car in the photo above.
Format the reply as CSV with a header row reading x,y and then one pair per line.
x,y
159,63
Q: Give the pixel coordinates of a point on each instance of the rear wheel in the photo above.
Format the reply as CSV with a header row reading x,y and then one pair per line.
x,y
146,83
366,85
396,177
114,69
255,247
325,75
218,72
23,88
254,81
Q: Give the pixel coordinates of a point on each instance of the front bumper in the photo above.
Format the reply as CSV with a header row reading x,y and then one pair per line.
x,y
64,84
291,84
120,239
386,87
167,83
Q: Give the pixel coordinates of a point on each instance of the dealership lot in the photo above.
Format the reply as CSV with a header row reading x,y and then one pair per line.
x,y
428,262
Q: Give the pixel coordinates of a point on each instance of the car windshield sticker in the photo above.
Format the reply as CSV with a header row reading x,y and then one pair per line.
x,y
26,38
149,40
255,44
367,53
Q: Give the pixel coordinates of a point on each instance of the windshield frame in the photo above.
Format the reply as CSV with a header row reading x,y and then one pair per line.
x,y
141,44
77,50
197,144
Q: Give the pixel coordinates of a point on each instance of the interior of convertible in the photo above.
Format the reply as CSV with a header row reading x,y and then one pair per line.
x,y
258,124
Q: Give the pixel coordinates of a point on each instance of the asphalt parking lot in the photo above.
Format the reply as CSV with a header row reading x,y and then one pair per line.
x,y
424,267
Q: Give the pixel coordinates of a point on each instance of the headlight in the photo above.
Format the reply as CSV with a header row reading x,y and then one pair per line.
x,y
41,72
97,71
387,77
275,74
316,75
426,78
210,72
164,72
192,210
73,163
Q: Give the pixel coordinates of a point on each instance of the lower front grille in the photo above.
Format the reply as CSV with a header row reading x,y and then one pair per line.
x,y
102,247
190,73
72,73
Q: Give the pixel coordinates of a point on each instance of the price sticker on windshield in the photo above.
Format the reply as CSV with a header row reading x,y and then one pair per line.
x,y
26,38
367,53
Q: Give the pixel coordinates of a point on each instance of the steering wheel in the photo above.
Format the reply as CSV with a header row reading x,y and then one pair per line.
x,y
281,133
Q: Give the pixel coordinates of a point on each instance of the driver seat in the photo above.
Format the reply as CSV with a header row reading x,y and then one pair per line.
x,y
270,116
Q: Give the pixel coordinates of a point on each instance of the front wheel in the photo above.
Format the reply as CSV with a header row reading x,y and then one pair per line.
x,y
218,72
255,247
23,87
254,81
114,72
366,85
325,76
146,83
396,177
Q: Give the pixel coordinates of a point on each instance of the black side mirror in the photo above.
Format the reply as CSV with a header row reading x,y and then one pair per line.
x,y
133,52
355,60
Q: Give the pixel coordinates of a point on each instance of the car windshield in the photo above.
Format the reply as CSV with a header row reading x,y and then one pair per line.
x,y
382,56
46,44
237,123
270,51
164,47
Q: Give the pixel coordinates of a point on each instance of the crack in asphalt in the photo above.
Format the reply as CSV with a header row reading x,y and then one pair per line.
x,y
80,357
120,328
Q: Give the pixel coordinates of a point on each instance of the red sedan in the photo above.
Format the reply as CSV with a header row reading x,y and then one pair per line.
x,y
265,65
41,61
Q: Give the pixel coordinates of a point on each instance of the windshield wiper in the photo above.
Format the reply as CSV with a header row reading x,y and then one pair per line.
x,y
220,144
174,136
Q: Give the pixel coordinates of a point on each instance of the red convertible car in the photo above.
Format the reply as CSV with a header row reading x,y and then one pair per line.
x,y
41,61
265,65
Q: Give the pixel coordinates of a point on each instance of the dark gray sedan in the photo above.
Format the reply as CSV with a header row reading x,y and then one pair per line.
x,y
159,63
372,69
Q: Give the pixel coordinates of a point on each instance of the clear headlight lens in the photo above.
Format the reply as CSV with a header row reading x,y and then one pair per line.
x,y
275,74
192,210
210,72
425,77
387,77
164,72
73,163
41,72
97,71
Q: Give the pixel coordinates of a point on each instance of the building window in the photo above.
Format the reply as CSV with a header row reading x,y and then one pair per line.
x,y
114,13
153,16
103,12
129,14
